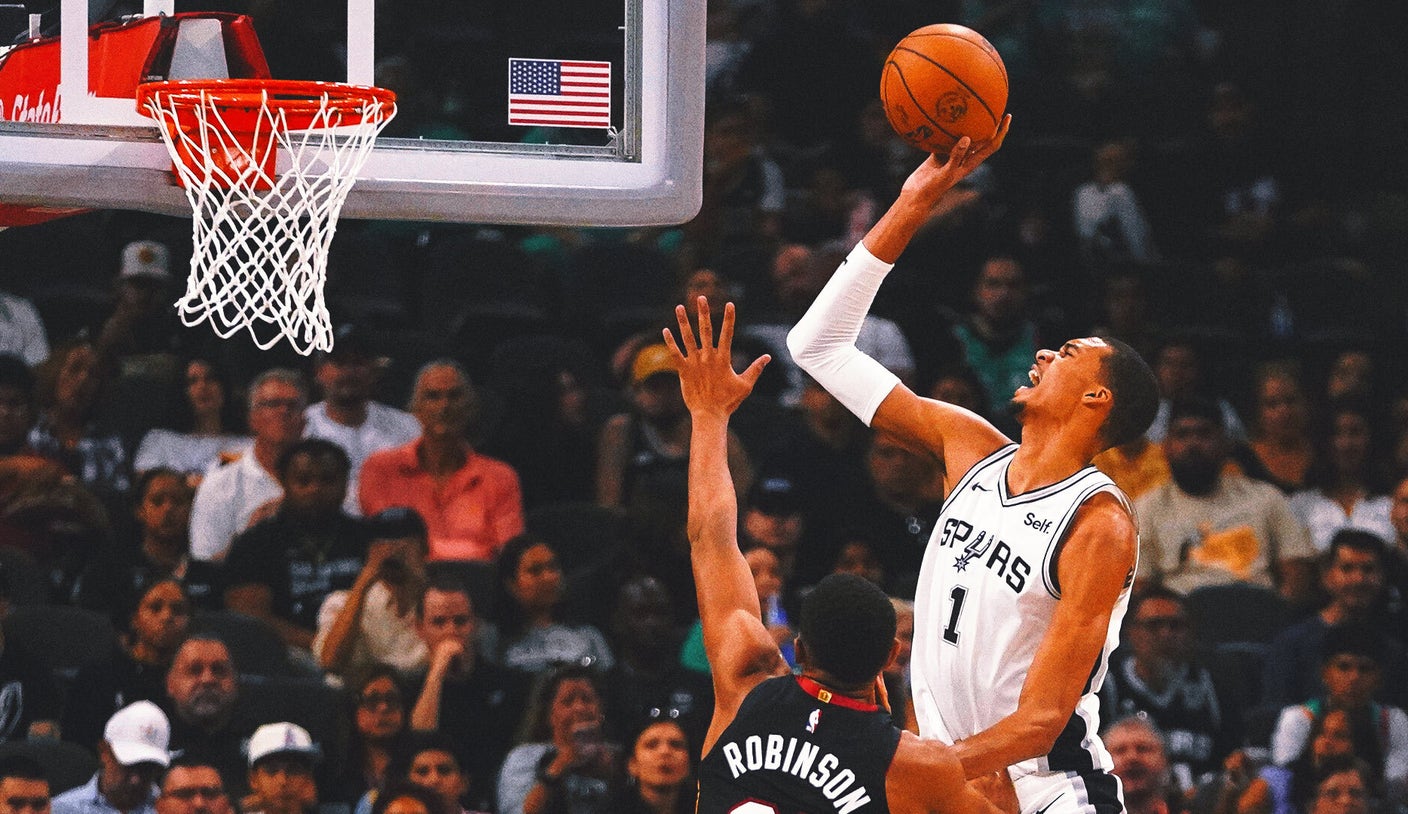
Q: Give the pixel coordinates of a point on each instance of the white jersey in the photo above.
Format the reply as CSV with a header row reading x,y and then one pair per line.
x,y
987,591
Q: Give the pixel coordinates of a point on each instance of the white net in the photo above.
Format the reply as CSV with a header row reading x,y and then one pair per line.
x,y
266,177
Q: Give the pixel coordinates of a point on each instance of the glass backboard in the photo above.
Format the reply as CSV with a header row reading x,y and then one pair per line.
x,y
572,112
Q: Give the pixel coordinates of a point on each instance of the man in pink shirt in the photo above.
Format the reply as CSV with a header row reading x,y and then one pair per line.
x,y
471,503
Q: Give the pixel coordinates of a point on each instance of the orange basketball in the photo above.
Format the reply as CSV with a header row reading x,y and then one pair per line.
x,y
943,82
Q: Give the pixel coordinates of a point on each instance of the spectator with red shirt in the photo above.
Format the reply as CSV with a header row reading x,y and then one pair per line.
x,y
472,504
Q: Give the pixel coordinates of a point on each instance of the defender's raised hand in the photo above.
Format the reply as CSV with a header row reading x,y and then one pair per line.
x,y
707,379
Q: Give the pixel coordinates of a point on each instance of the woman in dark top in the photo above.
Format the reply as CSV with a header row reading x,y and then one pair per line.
x,y
378,729
153,619
658,779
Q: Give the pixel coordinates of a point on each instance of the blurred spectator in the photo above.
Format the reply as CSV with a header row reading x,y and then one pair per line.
x,y
657,772
471,503
999,339
230,494
21,331
858,554
1136,467
192,787
142,322
1158,676
201,691
902,503
70,430
152,622
1397,556
829,207
281,758
549,423
1348,481
24,786
347,416
1351,376
530,633
1139,752
766,570
473,701
428,760
1351,672
772,518
33,702
798,274
281,569
1125,311
1109,220
647,681
162,550
1352,577
565,763
409,798
743,194
1208,526
1335,736
48,515
1179,369
17,384
960,386
1344,787
374,621
378,731
131,756
206,426
896,674
1281,447
641,454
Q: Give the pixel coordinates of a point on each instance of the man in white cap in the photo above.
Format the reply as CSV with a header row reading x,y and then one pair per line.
x,y
143,321
281,758
131,757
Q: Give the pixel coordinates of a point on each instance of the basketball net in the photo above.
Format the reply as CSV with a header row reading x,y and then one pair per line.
x,y
266,165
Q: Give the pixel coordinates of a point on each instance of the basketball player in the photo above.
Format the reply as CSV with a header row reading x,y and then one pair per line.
x,y
778,743
1026,576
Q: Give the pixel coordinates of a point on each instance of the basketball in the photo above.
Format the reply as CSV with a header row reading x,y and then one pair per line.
x,y
941,83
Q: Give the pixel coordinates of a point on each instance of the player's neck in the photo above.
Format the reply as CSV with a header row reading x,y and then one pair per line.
x,y
1048,454
864,694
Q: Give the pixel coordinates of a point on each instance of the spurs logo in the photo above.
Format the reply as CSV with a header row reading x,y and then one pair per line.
x,y
972,551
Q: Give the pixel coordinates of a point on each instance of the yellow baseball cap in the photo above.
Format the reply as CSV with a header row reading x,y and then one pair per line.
x,y
652,360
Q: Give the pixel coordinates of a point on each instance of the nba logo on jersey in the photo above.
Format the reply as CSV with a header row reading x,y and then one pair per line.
x,y
813,720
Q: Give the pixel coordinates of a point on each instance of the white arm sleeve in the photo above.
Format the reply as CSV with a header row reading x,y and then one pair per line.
x,y
823,343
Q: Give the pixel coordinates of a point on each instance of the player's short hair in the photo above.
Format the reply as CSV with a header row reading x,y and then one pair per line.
x,y
1135,391
848,627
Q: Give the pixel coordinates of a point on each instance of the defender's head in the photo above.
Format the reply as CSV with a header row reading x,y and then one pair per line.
x,y
847,630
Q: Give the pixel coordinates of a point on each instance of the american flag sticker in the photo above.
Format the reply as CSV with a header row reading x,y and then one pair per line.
x,y
559,93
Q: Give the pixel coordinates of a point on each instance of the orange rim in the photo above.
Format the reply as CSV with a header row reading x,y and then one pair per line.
x,y
290,95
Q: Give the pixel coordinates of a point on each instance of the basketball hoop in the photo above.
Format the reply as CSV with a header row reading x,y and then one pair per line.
x,y
266,165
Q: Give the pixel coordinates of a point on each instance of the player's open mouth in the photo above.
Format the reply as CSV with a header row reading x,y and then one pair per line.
x,y
1034,375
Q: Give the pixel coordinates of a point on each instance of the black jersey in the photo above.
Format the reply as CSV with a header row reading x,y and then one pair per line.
x,y
795,748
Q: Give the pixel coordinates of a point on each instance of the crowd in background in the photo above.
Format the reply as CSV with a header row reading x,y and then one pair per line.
x,y
450,553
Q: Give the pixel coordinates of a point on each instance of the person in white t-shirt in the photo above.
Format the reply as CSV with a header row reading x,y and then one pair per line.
x,y
205,435
347,416
231,494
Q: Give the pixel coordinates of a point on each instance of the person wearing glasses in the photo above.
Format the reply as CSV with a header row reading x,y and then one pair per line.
x,y
1159,674
378,730
192,786
230,495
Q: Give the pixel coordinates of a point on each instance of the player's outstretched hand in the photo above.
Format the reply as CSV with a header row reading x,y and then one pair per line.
x,y
939,174
707,379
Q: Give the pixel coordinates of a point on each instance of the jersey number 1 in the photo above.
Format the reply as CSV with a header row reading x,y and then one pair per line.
x,y
958,594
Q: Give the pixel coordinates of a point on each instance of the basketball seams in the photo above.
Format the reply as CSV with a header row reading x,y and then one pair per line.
x,y
954,76
989,52
918,105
